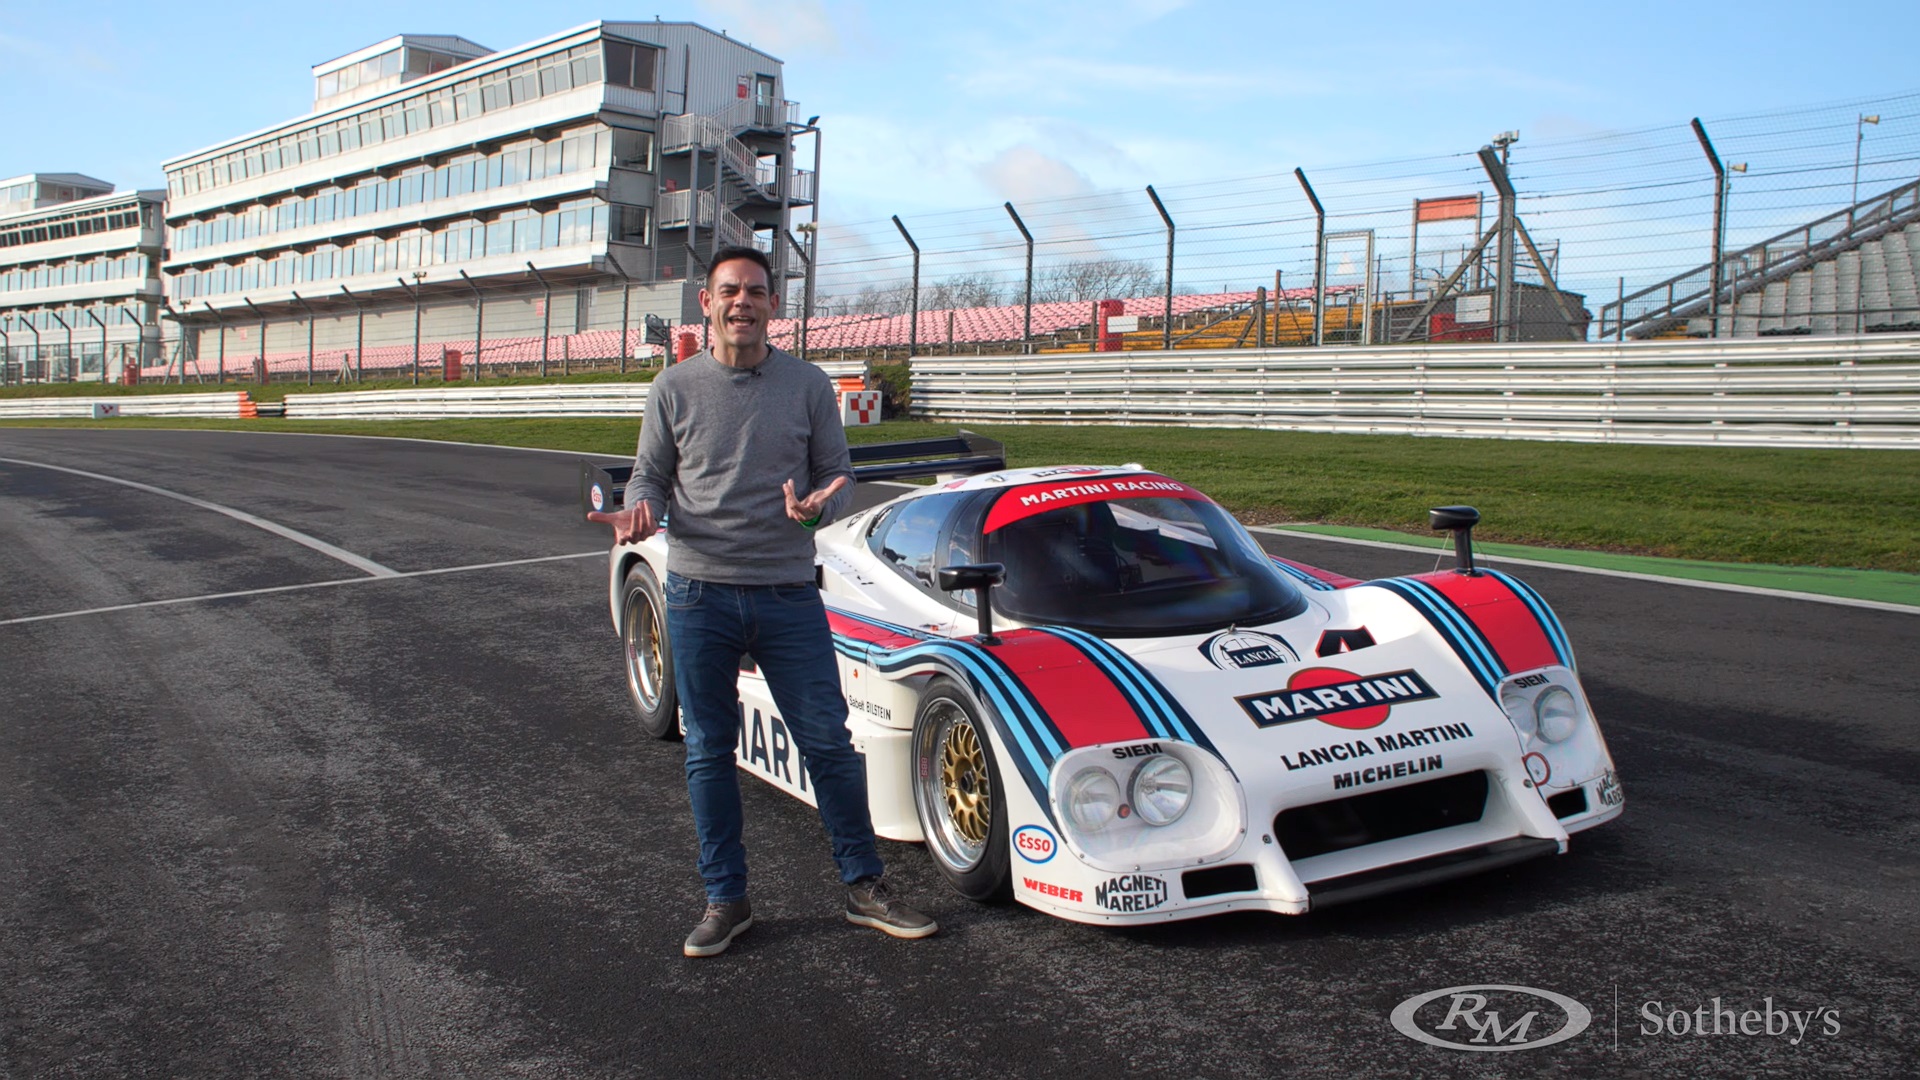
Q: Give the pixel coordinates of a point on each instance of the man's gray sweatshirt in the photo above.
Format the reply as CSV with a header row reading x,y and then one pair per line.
x,y
716,446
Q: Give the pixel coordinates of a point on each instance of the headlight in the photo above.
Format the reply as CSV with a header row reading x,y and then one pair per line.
x,y
1162,788
1559,715
1520,711
1093,799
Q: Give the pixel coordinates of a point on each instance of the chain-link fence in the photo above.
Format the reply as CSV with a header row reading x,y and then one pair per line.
x,y
1604,215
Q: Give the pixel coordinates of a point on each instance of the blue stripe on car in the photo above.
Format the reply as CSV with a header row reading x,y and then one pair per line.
x,y
1302,576
1549,622
1150,699
1453,627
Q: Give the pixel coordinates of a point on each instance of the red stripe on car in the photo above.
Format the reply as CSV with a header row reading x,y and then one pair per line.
x,y
1338,581
1506,621
1081,700
861,630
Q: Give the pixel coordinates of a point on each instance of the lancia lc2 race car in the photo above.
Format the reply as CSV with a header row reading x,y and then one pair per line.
x,y
1089,689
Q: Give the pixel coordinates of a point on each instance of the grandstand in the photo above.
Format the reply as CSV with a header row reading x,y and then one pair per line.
x,y
1853,271
1201,321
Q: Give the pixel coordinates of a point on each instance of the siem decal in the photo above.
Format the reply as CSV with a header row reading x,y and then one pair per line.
x,y
1035,844
1067,470
1234,649
1335,642
1131,892
1336,697
1380,774
1525,681
1136,750
1058,892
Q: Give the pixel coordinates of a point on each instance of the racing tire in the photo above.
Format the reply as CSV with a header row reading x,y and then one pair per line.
x,y
647,653
957,793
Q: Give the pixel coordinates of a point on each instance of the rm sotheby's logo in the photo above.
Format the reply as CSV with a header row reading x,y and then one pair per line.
x,y
1491,1017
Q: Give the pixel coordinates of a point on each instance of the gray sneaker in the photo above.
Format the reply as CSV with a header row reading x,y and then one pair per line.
x,y
718,928
871,903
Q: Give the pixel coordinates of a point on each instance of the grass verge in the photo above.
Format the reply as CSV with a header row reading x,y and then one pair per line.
x,y
1832,508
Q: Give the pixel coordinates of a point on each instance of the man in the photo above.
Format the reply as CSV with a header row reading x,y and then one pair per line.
x,y
743,442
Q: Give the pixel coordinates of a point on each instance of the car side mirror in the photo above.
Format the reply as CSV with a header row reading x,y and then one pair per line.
x,y
980,577
1458,520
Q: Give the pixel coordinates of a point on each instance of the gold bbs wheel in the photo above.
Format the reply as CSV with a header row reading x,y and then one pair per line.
x,y
957,792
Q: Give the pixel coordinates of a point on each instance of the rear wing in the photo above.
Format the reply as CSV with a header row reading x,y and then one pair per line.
x,y
604,487
965,454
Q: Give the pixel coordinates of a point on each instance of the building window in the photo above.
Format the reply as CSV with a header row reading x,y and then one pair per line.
x,y
630,65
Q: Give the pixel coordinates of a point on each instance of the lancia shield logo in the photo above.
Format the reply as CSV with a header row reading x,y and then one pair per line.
x,y
1233,649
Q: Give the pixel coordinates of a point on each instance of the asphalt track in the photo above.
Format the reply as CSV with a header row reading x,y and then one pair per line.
x,y
402,825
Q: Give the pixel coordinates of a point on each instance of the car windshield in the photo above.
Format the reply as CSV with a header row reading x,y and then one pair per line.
x,y
1137,567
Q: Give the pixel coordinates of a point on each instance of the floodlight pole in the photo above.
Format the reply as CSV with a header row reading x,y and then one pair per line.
x,y
1026,324
913,328
1859,137
1719,221
1166,329
6,357
1319,258
1503,300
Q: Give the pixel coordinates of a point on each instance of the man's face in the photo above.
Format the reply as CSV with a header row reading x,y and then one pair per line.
x,y
739,303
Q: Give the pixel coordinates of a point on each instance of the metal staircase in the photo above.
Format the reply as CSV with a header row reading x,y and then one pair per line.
x,y
732,195
1853,271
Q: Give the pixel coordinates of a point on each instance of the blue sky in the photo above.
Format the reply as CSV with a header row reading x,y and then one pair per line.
x,y
936,108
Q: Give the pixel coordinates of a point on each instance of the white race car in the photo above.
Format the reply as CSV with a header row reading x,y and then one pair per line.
x,y
1089,689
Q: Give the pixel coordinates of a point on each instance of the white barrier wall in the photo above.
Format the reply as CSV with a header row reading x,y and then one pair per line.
x,y
1859,391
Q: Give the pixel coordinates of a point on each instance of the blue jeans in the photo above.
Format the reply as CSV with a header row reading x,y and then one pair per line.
x,y
784,628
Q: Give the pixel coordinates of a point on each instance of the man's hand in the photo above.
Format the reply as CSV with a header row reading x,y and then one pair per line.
x,y
808,509
635,523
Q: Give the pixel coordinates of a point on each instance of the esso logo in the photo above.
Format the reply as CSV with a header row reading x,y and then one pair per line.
x,y
1035,844
599,499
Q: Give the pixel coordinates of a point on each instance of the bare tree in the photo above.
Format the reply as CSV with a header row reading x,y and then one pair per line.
x,y
962,291
874,300
1096,279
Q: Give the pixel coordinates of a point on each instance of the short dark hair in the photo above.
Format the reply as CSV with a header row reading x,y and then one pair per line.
x,y
751,254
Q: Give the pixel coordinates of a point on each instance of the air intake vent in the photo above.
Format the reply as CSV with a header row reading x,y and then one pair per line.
x,y
1568,803
1215,880
1306,831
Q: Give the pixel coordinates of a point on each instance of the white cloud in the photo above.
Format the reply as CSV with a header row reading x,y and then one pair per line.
x,y
797,26
1025,172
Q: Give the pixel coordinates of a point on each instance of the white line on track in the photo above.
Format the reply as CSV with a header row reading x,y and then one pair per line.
x,y
277,529
389,575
